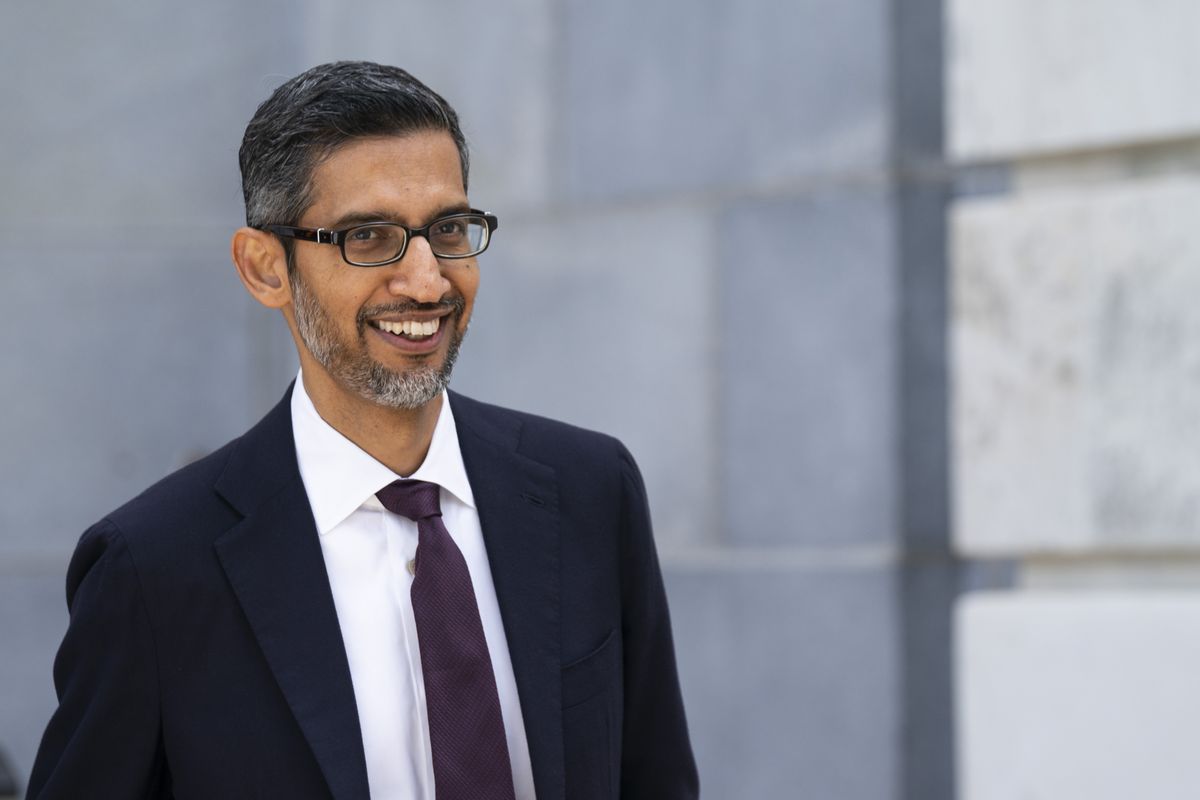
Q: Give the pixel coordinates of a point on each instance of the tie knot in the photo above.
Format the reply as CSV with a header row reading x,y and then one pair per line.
x,y
413,499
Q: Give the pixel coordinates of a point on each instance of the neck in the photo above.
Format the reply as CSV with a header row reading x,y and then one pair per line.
x,y
398,438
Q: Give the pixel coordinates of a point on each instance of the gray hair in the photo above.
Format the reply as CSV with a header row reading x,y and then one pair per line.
x,y
306,119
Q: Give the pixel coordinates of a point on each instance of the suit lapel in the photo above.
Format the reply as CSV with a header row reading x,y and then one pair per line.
x,y
274,563
517,499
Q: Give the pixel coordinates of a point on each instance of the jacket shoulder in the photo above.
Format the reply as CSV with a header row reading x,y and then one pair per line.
x,y
207,496
541,438
186,494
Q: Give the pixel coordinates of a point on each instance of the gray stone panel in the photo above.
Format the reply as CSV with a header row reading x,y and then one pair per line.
x,y
789,679
928,587
604,320
679,95
917,96
33,618
808,317
924,382
491,60
119,366
121,122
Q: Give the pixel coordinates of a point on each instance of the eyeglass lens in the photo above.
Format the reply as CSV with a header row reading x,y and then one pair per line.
x,y
379,242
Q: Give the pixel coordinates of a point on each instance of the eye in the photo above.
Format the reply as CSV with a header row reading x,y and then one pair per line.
x,y
372,244
449,228
364,234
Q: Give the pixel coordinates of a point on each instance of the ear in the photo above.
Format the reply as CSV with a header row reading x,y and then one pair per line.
x,y
262,265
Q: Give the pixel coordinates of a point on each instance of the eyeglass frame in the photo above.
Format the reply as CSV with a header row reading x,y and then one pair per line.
x,y
338,236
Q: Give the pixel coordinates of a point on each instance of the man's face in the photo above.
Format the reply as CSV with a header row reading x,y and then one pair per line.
x,y
348,318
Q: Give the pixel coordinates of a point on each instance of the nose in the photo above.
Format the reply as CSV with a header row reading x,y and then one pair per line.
x,y
418,275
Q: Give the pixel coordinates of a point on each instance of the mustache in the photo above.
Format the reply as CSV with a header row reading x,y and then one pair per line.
x,y
455,305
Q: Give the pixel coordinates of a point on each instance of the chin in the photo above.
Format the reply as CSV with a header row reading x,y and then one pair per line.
x,y
408,390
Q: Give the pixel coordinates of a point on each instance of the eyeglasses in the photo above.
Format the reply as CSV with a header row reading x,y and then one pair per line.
x,y
374,244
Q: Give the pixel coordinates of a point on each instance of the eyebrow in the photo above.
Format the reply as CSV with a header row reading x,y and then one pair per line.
x,y
353,218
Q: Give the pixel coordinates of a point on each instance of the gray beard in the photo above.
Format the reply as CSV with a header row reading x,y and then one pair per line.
x,y
360,373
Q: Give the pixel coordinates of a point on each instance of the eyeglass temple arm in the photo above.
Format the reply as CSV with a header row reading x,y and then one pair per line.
x,y
320,235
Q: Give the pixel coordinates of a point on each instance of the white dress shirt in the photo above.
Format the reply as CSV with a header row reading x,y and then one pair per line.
x,y
367,550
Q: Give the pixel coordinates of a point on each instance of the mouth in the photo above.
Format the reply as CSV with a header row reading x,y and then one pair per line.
x,y
413,330
419,334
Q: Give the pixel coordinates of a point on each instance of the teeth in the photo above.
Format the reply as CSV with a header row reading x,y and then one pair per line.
x,y
410,328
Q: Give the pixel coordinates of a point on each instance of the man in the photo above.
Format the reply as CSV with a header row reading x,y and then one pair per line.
x,y
382,589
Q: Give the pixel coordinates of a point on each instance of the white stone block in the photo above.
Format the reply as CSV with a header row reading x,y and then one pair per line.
x,y
1031,76
1076,369
1078,696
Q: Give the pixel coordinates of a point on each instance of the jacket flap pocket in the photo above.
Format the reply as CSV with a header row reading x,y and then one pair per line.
x,y
587,677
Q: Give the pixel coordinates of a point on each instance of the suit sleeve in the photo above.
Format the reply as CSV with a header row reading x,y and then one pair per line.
x,y
104,739
656,760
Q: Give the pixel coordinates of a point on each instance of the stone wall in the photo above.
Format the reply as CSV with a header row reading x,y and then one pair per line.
x,y
1075,364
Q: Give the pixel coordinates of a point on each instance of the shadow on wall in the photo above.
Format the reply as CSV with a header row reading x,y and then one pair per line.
x,y
8,782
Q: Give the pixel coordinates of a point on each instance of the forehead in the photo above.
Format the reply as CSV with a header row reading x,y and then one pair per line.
x,y
407,175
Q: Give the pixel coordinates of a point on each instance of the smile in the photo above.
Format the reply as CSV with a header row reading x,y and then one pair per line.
x,y
409,329
414,337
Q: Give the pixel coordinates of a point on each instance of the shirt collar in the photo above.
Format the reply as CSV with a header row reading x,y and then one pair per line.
x,y
340,477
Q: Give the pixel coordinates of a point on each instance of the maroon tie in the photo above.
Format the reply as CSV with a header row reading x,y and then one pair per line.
x,y
466,730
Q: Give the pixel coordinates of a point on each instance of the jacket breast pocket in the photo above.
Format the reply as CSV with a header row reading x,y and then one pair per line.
x,y
591,722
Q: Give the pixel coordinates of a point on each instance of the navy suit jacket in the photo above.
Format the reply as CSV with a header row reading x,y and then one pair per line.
x,y
204,659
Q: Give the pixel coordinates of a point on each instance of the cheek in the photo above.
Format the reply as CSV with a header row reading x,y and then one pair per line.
x,y
467,285
338,292
345,302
